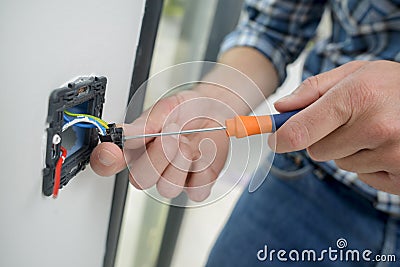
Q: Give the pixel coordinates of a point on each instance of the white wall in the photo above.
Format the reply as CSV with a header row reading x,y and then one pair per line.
x,y
43,44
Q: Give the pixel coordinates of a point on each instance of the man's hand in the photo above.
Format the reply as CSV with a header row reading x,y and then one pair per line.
x,y
175,162
351,115
190,162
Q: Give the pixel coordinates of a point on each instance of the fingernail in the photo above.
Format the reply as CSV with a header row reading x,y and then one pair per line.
x,y
106,157
295,92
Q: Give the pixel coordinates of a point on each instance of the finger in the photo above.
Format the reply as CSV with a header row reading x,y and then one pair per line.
x,y
202,177
173,179
208,160
308,127
343,142
319,119
365,132
315,86
384,158
364,161
148,168
382,181
107,159
199,184
211,151
328,111
138,127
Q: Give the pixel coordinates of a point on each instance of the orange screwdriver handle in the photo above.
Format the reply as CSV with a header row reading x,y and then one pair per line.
x,y
242,126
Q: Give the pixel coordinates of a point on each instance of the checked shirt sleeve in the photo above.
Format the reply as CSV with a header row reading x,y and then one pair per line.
x,y
278,29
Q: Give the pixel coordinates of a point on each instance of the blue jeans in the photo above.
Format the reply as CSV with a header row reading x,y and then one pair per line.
x,y
308,220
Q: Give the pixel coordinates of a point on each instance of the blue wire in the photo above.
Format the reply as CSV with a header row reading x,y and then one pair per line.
x,y
82,125
85,125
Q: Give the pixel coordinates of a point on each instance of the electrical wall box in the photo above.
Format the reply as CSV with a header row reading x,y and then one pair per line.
x,y
85,95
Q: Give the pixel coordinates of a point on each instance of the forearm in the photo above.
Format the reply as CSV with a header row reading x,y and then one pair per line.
x,y
253,64
243,95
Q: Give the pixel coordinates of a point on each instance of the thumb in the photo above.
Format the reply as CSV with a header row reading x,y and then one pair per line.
x,y
315,86
325,111
313,123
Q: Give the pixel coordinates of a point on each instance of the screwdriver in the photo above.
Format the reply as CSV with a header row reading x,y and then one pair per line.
x,y
239,126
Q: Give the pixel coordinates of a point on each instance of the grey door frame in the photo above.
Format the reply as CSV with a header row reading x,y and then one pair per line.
x,y
223,23
141,70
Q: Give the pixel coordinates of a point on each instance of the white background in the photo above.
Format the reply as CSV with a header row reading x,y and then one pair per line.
x,y
44,44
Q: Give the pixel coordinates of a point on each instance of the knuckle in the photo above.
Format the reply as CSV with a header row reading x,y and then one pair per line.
x,y
341,114
378,63
338,102
186,150
357,85
358,63
311,82
346,101
363,95
383,132
297,135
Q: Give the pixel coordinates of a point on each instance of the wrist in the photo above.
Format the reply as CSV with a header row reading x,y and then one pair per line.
x,y
220,93
243,79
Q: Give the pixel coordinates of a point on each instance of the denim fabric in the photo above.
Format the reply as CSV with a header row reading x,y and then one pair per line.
x,y
297,208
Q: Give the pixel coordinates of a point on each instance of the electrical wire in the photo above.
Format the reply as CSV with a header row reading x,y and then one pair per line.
x,y
102,122
81,125
57,172
78,120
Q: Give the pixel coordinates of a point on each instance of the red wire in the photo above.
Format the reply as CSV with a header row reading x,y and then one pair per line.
x,y
57,173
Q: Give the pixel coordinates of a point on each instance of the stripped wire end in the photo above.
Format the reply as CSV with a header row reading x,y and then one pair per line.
x,y
114,135
84,121
57,173
77,120
100,121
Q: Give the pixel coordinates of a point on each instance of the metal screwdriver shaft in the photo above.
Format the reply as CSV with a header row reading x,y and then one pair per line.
x,y
176,133
239,126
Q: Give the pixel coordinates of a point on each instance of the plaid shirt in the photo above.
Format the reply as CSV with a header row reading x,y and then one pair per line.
x,y
361,30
